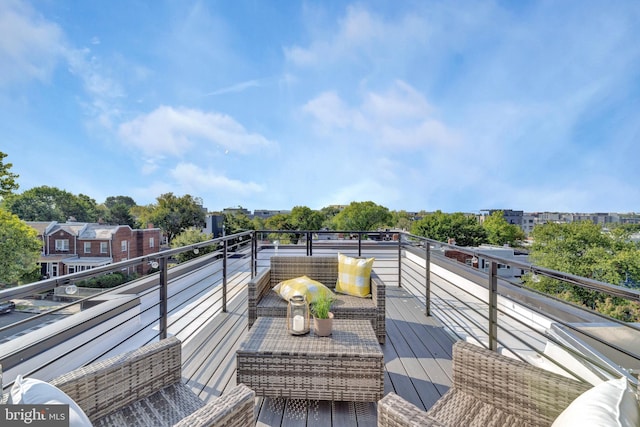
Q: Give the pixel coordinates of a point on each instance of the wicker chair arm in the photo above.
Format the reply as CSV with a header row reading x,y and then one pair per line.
x,y
232,409
394,411
110,384
256,288
378,295
511,385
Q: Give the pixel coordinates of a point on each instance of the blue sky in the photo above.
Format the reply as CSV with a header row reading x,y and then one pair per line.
x,y
415,105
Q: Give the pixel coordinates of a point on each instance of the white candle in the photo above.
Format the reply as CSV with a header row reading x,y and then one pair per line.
x,y
298,323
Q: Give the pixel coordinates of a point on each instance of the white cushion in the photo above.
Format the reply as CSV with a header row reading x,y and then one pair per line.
x,y
30,391
610,403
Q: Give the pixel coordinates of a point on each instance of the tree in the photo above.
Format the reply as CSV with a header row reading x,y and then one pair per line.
x,y
402,220
281,222
7,179
189,237
329,213
120,214
52,204
175,214
236,223
362,216
440,226
304,218
19,250
112,201
500,232
584,249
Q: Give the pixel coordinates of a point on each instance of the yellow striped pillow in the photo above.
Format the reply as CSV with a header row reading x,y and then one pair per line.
x,y
354,276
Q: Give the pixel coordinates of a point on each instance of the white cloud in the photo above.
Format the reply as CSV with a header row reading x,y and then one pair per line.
x,y
359,33
193,178
175,131
30,47
399,118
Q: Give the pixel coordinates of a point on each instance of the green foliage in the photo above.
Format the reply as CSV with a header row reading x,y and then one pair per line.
x,y
401,220
328,214
321,308
120,214
106,281
189,237
440,226
583,249
7,179
52,204
304,218
19,250
175,214
112,201
281,222
362,216
236,223
500,232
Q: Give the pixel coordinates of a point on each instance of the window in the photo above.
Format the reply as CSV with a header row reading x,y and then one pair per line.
x,y
62,245
103,247
87,247
123,245
152,242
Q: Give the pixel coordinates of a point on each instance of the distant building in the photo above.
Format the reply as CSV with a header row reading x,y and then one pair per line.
x,y
236,211
266,213
75,246
214,225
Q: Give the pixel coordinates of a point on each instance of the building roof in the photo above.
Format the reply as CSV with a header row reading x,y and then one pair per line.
x,y
40,226
88,261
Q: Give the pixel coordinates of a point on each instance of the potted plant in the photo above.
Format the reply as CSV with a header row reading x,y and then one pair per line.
x,y
322,315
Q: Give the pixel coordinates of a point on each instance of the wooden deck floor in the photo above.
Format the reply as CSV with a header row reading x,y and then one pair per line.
x,y
417,365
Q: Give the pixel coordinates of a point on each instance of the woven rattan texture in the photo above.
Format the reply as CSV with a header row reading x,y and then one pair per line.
x,y
263,302
490,390
143,388
394,411
347,366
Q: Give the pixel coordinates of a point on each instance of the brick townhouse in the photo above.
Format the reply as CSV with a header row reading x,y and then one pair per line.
x,y
78,246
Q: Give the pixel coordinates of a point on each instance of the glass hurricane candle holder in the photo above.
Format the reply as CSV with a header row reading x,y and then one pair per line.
x,y
298,315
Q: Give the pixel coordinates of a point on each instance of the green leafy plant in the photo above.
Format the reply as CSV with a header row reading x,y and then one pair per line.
x,y
321,308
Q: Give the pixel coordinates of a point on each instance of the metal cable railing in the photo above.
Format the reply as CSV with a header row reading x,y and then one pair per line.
x,y
497,312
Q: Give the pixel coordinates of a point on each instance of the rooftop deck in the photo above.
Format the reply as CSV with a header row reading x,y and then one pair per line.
x,y
417,358
204,303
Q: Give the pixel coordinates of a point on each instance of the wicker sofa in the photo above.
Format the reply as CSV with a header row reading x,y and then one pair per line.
x,y
263,302
144,387
488,389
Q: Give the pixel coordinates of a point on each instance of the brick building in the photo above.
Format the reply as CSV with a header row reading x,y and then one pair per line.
x,y
75,246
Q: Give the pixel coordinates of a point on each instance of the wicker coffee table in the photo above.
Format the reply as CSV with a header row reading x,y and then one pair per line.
x,y
346,366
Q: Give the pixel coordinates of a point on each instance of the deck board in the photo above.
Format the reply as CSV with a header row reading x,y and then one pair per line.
x,y
417,358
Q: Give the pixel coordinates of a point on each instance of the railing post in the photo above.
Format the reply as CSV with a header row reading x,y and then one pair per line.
x,y
254,253
427,274
493,306
163,306
359,244
309,243
224,276
400,261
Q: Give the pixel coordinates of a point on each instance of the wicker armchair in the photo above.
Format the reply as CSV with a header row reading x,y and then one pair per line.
x,y
488,389
144,387
265,303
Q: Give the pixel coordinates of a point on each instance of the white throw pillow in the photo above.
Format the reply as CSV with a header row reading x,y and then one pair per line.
x,y
609,404
30,391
